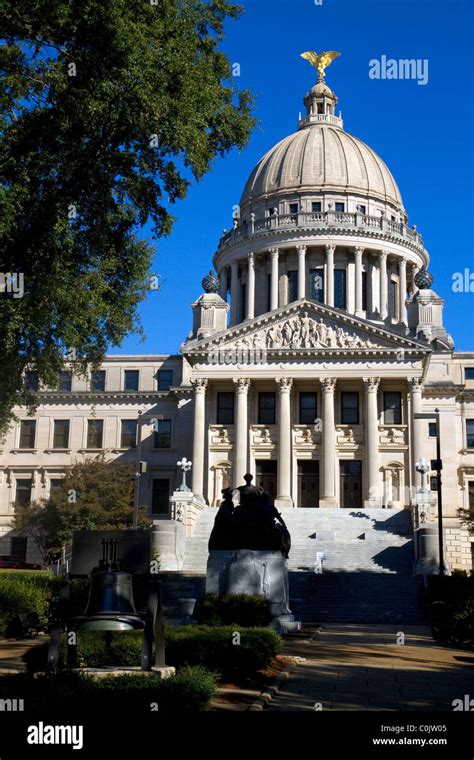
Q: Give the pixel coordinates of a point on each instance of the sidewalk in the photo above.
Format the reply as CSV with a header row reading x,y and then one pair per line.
x,y
361,667
11,652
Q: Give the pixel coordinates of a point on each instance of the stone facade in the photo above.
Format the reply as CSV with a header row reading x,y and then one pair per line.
x,y
310,354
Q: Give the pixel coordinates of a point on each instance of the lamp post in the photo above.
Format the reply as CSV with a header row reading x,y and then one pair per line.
x,y
185,465
437,465
140,467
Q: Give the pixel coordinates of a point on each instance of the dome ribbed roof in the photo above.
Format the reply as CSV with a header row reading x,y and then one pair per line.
x,y
322,157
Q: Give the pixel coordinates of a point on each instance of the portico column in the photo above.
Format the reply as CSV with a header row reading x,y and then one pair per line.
x,y
284,460
372,443
402,290
329,443
330,249
199,385
234,292
416,395
274,253
358,281
241,429
301,271
224,285
383,286
251,287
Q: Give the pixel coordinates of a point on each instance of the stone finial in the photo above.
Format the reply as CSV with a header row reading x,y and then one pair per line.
x,y
211,283
423,279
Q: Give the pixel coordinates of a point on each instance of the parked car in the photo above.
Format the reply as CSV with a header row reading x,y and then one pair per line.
x,y
11,562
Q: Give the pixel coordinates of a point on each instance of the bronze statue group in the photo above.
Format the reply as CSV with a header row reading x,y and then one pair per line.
x,y
253,523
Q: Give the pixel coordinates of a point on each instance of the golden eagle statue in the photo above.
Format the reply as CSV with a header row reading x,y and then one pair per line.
x,y
320,62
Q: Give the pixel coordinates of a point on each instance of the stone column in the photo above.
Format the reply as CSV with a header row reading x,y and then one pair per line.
x,y
241,429
402,290
373,489
358,281
383,286
274,253
301,271
416,395
284,461
251,286
199,436
223,287
234,292
330,249
329,444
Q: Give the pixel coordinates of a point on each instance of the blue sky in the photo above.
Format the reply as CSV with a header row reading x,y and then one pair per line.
x,y
424,133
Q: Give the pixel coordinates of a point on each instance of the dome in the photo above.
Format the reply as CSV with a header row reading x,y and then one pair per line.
x,y
322,157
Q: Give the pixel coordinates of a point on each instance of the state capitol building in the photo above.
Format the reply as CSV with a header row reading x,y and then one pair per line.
x,y
312,348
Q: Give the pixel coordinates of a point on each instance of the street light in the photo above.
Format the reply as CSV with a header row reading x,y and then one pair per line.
x,y
437,465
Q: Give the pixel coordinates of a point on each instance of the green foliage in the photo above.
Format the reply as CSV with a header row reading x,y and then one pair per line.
x,y
190,690
464,618
213,648
22,592
94,495
247,610
107,111
220,650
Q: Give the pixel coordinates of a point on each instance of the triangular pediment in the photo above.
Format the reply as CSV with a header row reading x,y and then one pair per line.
x,y
307,328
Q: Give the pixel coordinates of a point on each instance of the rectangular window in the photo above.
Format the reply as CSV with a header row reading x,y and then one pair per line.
x,y
266,408
470,495
269,292
27,434
55,485
340,208
393,299
225,408
294,208
432,429
392,408
160,496
61,434
23,491
65,381
364,291
340,288
469,373
470,434
98,380
433,483
316,284
31,380
163,435
361,209
243,300
316,207
131,379
349,408
165,379
308,408
95,434
292,285
128,437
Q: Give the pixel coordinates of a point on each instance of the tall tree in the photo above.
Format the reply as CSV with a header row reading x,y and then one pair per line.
x,y
107,111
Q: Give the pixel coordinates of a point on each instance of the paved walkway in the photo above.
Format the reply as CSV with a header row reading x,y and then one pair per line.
x,y
361,667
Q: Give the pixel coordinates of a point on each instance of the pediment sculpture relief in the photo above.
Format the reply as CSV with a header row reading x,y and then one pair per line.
x,y
303,332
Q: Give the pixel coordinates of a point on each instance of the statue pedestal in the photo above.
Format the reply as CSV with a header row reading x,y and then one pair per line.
x,y
252,571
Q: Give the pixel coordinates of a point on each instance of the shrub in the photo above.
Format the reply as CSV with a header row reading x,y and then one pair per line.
x,y
464,618
22,592
190,690
214,648
247,610
217,648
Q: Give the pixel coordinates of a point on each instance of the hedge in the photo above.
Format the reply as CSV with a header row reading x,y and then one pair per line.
x,y
215,648
190,690
247,610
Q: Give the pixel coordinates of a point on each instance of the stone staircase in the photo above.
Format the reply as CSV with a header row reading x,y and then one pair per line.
x,y
367,570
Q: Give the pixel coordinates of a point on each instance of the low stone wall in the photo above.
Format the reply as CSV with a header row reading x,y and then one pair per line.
x,y
458,546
